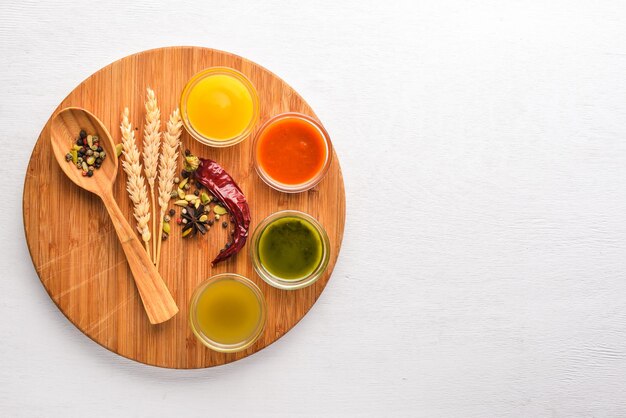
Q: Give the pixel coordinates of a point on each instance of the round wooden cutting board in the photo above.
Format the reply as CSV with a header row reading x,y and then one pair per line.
x,y
75,249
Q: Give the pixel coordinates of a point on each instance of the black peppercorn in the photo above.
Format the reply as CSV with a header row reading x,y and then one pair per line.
x,y
89,173
224,224
197,192
83,134
172,212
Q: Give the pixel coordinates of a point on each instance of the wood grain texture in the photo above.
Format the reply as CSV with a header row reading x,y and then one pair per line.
x,y
79,259
155,296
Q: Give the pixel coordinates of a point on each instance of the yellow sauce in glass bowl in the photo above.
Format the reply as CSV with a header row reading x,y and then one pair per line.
x,y
219,106
227,313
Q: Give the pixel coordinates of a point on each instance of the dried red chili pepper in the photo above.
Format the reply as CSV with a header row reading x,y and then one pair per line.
x,y
212,176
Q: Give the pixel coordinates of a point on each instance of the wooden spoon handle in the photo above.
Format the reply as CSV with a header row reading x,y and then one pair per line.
x,y
156,298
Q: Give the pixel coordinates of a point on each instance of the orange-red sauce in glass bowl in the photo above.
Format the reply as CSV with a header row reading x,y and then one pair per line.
x,y
292,152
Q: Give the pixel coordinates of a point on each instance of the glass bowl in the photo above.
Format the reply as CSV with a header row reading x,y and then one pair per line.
x,y
212,71
300,187
216,345
276,281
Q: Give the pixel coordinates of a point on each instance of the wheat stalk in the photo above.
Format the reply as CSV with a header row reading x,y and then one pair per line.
x,y
135,184
151,145
167,168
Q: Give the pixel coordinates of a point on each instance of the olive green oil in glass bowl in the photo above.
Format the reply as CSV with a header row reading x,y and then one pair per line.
x,y
290,250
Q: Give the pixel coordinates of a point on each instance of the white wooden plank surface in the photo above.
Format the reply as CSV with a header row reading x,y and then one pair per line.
x,y
484,150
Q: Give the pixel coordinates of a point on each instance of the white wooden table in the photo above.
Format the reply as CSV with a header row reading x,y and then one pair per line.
x,y
483,269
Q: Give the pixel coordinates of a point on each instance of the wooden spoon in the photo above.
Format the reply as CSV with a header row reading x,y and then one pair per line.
x,y
64,130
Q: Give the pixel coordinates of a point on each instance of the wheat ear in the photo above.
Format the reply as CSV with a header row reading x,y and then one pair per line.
x,y
151,145
167,169
135,183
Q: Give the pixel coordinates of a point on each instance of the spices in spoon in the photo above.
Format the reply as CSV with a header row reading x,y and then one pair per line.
x,y
86,153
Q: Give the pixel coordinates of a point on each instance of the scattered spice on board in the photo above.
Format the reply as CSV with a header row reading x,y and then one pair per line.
x,y
86,153
230,200
196,221
195,210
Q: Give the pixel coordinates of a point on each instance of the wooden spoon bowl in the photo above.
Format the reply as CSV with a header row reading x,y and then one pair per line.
x,y
64,129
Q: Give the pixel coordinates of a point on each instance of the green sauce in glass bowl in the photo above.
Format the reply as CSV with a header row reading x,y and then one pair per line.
x,y
290,250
